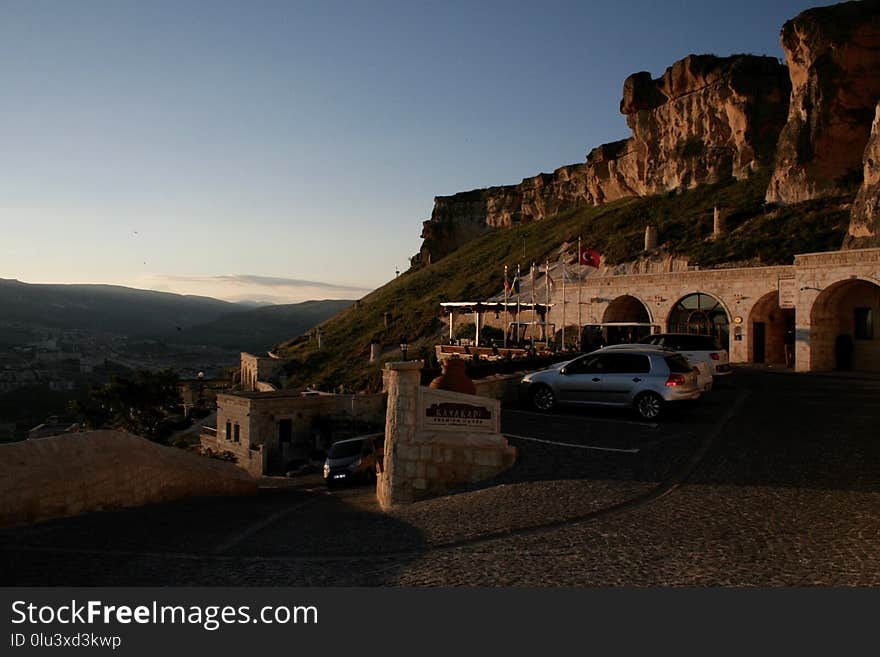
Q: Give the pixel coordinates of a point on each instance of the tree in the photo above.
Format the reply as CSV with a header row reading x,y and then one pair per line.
x,y
141,405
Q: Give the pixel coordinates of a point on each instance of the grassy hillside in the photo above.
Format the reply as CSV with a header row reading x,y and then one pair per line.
x,y
475,271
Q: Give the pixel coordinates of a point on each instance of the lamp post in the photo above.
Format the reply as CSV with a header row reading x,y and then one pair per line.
x,y
403,348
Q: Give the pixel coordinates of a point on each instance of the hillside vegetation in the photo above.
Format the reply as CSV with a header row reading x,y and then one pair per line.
x,y
756,233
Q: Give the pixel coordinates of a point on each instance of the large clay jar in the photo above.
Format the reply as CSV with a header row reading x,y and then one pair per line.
x,y
454,378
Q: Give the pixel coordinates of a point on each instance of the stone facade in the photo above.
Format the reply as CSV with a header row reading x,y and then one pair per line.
x,y
98,470
436,440
267,431
261,372
826,292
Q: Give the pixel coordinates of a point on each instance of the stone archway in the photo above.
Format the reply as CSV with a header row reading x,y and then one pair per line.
x,y
702,314
767,326
627,308
843,327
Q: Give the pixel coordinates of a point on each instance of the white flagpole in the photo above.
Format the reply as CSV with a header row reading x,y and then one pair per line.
x,y
547,309
518,318
534,311
506,294
580,340
563,303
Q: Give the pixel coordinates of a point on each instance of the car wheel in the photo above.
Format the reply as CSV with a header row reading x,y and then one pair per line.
x,y
649,406
543,398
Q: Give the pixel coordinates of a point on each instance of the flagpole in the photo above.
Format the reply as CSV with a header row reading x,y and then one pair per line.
x,y
534,311
506,293
580,341
547,308
563,303
518,282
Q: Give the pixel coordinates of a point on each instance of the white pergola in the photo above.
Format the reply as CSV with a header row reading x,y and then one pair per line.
x,y
477,308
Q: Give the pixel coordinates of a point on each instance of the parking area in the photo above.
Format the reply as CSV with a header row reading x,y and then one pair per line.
x,y
772,479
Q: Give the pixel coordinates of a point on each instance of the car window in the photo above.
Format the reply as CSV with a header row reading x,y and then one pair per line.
x,y
624,363
582,365
678,363
699,343
345,449
657,340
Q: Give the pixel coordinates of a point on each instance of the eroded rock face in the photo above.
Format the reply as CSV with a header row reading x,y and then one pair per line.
x,y
706,119
864,227
833,58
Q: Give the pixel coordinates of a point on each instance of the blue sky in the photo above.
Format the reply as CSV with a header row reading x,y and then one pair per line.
x,y
186,145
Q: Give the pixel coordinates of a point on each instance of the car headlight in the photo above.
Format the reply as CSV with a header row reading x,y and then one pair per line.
x,y
326,469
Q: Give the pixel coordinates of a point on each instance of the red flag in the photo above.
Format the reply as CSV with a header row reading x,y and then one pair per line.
x,y
590,257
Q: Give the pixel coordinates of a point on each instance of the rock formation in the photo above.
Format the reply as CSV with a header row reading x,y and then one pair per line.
x,y
706,119
833,58
864,227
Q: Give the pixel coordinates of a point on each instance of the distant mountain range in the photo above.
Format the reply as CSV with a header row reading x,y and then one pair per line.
x,y
261,328
148,314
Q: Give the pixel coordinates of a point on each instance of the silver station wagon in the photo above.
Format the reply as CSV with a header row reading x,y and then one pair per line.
x,y
646,380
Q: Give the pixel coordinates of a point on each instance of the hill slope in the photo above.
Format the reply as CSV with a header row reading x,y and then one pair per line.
x,y
259,329
757,233
105,308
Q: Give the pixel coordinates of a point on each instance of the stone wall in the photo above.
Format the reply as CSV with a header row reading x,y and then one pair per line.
x,y
429,452
824,295
100,470
256,369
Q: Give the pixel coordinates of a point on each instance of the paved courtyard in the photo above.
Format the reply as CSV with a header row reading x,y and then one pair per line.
x,y
772,479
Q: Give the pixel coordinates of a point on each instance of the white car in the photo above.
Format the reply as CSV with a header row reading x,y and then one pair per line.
x,y
703,370
696,348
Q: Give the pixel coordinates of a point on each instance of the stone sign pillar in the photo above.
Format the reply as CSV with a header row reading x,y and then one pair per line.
x,y
401,382
436,440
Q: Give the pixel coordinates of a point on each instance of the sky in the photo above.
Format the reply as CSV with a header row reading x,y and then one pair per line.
x,y
284,151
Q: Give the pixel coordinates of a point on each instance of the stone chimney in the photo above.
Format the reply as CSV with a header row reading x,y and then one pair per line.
x,y
650,237
718,223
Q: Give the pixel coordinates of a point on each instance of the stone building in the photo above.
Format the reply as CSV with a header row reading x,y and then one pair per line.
x,y
830,299
269,432
263,373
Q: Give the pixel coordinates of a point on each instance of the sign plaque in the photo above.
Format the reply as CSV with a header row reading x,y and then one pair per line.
x,y
786,293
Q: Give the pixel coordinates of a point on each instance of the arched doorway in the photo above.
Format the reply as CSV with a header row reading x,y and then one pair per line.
x,y
843,327
767,326
633,317
702,314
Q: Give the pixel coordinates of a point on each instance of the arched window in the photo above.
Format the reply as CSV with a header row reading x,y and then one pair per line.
x,y
702,314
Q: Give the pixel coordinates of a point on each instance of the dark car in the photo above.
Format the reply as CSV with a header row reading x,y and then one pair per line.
x,y
354,460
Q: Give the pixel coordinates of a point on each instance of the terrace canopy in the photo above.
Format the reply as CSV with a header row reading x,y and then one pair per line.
x,y
477,308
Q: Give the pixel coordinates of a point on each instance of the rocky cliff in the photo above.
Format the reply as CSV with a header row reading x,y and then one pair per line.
x,y
864,227
833,56
706,119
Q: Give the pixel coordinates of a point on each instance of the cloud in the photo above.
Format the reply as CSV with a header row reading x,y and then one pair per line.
x,y
252,288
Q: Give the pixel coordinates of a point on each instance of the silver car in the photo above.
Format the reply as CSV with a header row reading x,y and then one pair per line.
x,y
646,380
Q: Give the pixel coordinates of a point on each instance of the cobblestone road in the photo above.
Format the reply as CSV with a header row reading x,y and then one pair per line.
x,y
772,479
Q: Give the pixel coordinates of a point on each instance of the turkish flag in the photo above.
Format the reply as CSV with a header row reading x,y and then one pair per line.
x,y
590,257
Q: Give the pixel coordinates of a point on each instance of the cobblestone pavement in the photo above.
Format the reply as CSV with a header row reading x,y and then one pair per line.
x,y
772,479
